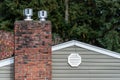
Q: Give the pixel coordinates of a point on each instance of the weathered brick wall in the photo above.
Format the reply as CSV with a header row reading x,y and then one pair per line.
x,y
6,44
32,50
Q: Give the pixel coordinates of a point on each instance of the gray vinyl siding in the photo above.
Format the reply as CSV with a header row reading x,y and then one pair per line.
x,y
94,66
7,72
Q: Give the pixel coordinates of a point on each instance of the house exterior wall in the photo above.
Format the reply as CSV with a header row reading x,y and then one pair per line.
x,y
94,66
7,72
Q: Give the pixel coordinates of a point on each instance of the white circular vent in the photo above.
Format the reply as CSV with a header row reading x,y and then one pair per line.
x,y
74,59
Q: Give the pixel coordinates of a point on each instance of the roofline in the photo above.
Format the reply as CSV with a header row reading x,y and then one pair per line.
x,y
86,46
5,62
68,44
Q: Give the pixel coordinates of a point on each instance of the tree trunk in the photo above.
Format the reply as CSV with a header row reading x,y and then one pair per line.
x,y
66,10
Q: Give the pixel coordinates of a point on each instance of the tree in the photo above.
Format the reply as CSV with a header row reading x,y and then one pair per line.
x,y
66,10
95,22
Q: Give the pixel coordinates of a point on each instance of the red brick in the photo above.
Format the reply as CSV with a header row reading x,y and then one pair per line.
x,y
6,44
33,50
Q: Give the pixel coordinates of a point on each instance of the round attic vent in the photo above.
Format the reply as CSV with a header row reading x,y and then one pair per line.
x,y
74,59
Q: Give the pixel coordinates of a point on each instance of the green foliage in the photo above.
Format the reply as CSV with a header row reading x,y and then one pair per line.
x,y
92,21
111,40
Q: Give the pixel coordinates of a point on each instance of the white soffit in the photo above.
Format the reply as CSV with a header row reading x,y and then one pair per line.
x,y
86,46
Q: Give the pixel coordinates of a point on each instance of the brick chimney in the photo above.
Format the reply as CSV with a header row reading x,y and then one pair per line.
x,y
32,50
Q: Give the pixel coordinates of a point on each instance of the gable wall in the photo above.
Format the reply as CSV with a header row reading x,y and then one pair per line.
x,y
7,72
94,66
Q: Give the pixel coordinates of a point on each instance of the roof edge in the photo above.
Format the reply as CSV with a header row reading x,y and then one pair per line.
x,y
86,46
8,61
5,62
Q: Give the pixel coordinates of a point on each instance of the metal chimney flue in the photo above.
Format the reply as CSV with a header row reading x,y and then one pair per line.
x,y
42,15
28,12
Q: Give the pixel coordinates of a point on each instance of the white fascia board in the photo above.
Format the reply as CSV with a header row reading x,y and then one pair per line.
x,y
86,46
97,49
62,45
6,62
